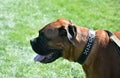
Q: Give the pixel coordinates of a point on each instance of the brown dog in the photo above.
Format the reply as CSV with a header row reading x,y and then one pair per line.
x,y
94,50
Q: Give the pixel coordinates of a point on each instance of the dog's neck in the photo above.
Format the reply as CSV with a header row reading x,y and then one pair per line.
x,y
101,39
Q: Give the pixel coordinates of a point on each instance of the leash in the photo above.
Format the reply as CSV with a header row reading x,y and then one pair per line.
x,y
86,51
116,41
113,37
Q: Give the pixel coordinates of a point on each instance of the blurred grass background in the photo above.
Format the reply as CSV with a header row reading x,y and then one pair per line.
x,y
20,21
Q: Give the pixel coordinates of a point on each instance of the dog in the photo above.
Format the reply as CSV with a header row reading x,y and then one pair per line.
x,y
95,50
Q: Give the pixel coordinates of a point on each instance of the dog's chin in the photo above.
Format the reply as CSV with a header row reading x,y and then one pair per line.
x,y
47,58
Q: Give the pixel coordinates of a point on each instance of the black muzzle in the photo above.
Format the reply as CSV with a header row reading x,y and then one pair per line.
x,y
40,45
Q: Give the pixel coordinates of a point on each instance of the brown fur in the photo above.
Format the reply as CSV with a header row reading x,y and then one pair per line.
x,y
102,62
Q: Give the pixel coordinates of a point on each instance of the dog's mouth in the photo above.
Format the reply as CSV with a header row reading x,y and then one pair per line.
x,y
46,54
47,58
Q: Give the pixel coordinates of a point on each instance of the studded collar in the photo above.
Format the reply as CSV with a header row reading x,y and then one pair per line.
x,y
87,49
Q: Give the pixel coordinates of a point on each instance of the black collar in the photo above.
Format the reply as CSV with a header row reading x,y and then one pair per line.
x,y
86,51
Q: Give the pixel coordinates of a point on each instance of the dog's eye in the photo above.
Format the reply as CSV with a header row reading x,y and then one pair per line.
x,y
62,31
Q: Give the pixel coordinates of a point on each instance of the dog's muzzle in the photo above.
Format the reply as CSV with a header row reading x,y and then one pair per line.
x,y
46,54
39,45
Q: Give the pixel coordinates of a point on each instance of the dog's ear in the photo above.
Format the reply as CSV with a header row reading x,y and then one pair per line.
x,y
71,33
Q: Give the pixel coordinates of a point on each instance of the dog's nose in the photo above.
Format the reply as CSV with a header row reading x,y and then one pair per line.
x,y
33,41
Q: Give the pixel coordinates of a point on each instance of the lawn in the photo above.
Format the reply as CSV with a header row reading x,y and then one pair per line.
x,y
20,21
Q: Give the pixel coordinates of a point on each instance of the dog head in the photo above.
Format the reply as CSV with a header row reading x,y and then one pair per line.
x,y
54,40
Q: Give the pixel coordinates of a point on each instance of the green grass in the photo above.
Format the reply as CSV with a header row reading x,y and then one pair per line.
x,y
20,21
